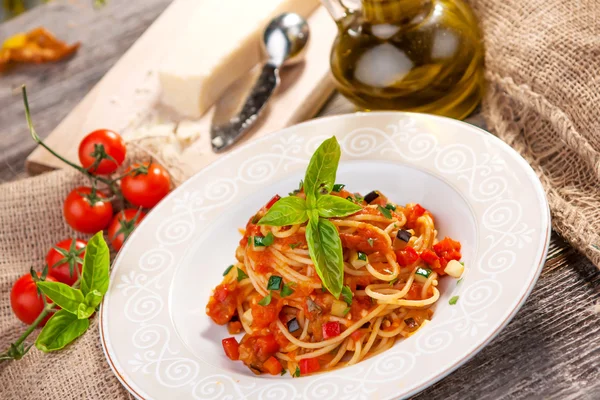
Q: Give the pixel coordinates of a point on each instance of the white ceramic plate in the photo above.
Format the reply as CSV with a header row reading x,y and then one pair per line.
x,y
159,341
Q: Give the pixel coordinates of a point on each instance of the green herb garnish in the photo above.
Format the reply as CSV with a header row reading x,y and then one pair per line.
x,y
347,295
260,241
286,290
386,213
361,256
241,275
346,311
390,207
338,187
294,245
453,300
265,301
370,241
393,281
324,244
296,372
227,270
274,282
283,372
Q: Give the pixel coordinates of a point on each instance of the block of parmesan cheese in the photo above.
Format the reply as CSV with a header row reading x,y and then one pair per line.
x,y
219,44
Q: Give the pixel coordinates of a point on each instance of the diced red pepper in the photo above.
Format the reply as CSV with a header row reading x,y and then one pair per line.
x,y
232,348
412,214
432,259
447,250
331,329
273,366
309,365
234,327
357,335
407,256
273,200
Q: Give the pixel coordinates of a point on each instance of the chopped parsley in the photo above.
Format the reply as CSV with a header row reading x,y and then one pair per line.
x,y
241,275
453,300
265,300
296,372
227,270
390,207
347,295
294,245
385,212
346,311
338,187
370,241
286,290
283,371
393,281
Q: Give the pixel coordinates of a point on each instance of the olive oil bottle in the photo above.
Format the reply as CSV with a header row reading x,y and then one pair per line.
x,y
411,55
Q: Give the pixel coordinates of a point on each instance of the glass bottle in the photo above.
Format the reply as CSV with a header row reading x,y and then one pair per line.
x,y
411,55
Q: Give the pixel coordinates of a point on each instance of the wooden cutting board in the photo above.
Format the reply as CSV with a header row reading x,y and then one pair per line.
x,y
129,93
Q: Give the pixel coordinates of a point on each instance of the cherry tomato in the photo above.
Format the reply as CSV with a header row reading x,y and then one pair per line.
x,y
86,211
331,329
232,348
104,145
122,225
145,184
25,301
273,366
68,258
309,365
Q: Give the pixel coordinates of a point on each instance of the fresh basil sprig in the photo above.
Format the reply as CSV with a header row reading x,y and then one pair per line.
x,y
324,243
77,305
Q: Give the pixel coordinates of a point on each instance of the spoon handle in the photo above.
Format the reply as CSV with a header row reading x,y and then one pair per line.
x,y
225,135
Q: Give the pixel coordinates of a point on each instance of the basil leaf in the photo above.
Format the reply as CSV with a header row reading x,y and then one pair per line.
x,y
241,275
321,170
60,330
95,266
274,282
227,270
286,290
347,295
265,301
325,249
287,211
63,295
333,206
93,298
84,311
386,213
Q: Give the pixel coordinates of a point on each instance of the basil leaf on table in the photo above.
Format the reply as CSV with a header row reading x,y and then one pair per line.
x,y
60,330
84,311
95,266
333,206
62,295
287,211
325,249
322,168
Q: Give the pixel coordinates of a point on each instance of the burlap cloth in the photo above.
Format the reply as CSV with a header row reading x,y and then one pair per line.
x,y
543,70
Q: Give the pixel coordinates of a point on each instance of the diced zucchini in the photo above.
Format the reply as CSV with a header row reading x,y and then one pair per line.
x,y
338,308
358,259
422,274
454,268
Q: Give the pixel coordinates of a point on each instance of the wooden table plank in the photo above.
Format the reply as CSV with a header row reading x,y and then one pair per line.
x,y
550,350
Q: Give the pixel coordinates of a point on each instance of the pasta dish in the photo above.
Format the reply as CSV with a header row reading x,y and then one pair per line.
x,y
325,278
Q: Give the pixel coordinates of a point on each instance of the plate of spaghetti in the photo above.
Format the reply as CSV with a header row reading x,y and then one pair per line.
x,y
359,256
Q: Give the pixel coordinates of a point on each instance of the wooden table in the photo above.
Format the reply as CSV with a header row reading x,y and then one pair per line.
x,y
550,350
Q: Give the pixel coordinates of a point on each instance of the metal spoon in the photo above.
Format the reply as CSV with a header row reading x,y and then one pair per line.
x,y
242,104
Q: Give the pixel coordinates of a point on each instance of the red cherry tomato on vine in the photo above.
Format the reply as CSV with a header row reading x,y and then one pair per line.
x,y
68,258
145,185
26,302
86,211
102,152
122,225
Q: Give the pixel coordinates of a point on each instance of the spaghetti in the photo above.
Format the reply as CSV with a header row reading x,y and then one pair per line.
x,y
392,263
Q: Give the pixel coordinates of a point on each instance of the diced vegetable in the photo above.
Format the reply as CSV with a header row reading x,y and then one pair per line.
x,y
431,258
234,327
422,274
247,316
356,335
370,241
273,366
265,301
447,250
407,256
411,323
293,325
231,347
338,187
338,308
403,235
309,365
390,206
296,372
260,241
358,259
274,282
273,200
331,329
286,290
371,196
454,269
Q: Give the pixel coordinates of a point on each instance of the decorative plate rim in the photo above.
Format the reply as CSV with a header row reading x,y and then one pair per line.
x,y
446,370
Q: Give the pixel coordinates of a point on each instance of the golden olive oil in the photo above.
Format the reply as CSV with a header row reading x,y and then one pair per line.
x,y
412,55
